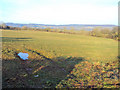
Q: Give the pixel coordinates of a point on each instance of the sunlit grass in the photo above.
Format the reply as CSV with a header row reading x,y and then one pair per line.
x,y
55,57
57,44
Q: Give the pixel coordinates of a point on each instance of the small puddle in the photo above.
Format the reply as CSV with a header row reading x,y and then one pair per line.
x,y
23,56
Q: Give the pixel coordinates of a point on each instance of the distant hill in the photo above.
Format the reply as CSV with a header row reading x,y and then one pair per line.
x,y
67,26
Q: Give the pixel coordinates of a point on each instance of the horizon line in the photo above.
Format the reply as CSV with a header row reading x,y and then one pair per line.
x,y
62,24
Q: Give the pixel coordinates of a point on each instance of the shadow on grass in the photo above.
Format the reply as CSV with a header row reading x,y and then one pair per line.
x,y
12,39
37,73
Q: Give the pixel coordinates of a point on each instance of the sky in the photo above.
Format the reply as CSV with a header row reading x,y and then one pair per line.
x,y
59,11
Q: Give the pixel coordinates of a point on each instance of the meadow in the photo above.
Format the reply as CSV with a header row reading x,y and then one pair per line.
x,y
60,60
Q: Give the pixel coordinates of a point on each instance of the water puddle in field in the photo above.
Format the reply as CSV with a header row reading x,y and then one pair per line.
x,y
23,56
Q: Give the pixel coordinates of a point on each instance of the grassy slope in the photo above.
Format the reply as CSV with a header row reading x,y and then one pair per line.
x,y
57,44
55,57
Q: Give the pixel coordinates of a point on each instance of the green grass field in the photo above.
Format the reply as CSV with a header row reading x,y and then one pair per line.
x,y
53,56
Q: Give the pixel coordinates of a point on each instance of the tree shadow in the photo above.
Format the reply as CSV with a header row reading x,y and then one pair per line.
x,y
13,39
37,73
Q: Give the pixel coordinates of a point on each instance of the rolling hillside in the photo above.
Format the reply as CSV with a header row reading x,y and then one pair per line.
x,y
55,57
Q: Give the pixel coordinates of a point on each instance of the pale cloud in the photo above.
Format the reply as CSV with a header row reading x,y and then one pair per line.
x,y
16,1
71,13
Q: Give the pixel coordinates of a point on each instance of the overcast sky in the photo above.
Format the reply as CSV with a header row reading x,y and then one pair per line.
x,y
59,11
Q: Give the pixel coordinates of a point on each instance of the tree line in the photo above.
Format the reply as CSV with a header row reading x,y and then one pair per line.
x,y
113,33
